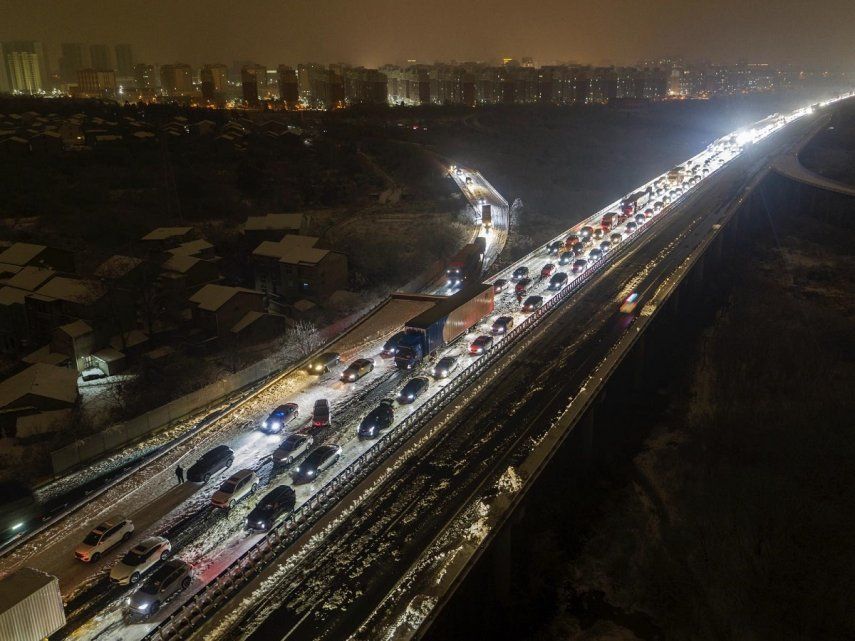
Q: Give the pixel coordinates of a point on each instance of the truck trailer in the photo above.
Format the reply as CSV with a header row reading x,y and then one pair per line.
x,y
487,216
443,323
30,606
467,263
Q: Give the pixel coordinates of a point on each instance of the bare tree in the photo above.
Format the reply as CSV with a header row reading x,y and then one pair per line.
x,y
303,338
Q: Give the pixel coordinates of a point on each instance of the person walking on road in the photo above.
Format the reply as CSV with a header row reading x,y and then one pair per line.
x,y
179,472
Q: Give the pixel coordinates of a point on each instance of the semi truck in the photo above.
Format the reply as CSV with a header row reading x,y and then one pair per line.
x,y
467,263
30,606
634,202
487,216
443,323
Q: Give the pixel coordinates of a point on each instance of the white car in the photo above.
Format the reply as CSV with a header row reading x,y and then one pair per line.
x,y
140,559
104,537
292,448
237,486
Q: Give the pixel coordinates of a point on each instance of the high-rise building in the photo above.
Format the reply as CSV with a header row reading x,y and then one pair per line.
x,y
144,77
176,80
96,83
365,86
289,92
253,80
100,57
124,61
24,72
75,56
32,47
214,80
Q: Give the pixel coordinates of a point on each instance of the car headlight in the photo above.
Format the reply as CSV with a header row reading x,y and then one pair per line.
x,y
275,425
142,607
264,424
128,601
297,469
311,473
261,524
410,396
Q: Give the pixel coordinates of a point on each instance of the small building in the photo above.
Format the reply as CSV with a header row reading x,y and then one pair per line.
x,y
23,254
62,300
77,341
272,227
199,248
218,308
189,272
122,271
295,268
163,238
39,388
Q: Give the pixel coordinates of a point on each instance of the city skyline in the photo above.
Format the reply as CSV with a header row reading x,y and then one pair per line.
x,y
272,32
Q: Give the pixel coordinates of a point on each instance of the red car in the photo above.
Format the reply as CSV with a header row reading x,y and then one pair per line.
x,y
480,345
547,271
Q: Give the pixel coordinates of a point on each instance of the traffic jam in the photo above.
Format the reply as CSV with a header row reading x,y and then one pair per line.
x,y
294,447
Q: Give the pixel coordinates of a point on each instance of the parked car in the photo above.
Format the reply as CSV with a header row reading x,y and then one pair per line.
x,y
520,272
579,266
321,416
547,270
213,461
357,369
324,362
280,417
522,286
558,281
292,448
103,538
278,501
502,325
140,559
499,286
444,366
238,486
377,420
532,303
390,347
481,345
165,582
414,388
318,460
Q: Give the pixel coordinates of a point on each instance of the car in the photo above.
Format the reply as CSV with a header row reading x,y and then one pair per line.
x,y
579,249
558,281
595,254
640,219
213,461
547,270
318,460
444,366
605,246
323,363
598,233
571,240
579,266
378,419
666,199
554,247
615,238
238,486
357,369
522,286
390,347
321,416
140,559
502,324
631,226
566,257
278,501
499,286
586,231
480,345
520,272
280,417
412,390
291,448
532,303
165,582
648,213
628,305
103,538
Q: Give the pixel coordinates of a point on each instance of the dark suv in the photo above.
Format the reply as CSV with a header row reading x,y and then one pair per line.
x,y
278,501
377,419
169,579
213,461
321,413
324,362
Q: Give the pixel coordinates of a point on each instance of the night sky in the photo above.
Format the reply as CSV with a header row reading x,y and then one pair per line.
x,y
374,32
